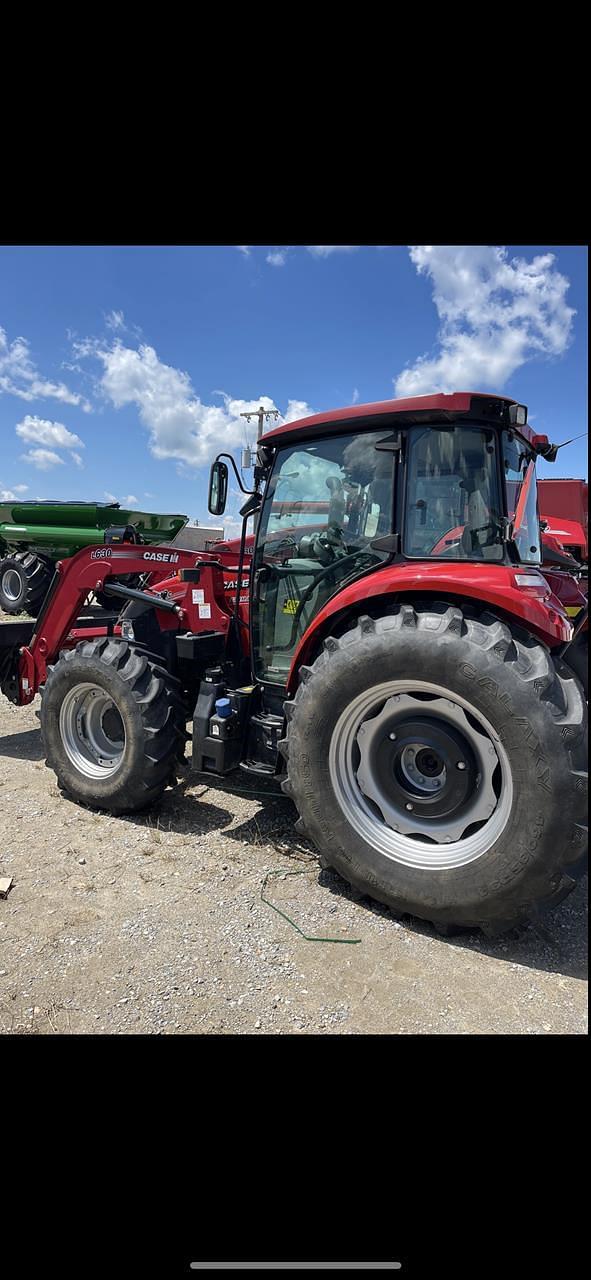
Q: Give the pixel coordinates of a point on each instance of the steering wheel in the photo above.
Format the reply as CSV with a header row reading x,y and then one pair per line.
x,y
330,542
323,573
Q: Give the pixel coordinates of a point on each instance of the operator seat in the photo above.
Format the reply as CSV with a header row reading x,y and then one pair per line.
x,y
380,494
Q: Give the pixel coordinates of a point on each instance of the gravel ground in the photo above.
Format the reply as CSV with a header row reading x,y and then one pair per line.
x,y
155,923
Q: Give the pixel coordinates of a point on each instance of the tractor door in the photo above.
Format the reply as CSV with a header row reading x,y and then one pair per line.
x,y
327,503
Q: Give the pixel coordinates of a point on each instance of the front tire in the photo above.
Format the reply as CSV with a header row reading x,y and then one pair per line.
x,y
439,764
113,725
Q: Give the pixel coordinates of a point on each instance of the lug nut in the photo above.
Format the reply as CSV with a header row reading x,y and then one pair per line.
x,y
392,737
410,807
460,765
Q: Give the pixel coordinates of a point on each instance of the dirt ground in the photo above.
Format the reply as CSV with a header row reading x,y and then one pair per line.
x,y
156,923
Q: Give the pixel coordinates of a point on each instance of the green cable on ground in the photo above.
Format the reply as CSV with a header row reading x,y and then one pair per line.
x,y
348,942
243,791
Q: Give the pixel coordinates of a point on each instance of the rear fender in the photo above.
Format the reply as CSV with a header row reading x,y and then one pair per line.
x,y
536,609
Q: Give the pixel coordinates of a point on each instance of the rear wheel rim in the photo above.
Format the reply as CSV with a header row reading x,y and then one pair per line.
x,y
92,731
11,585
421,775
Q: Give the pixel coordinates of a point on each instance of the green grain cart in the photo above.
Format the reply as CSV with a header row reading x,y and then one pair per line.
x,y
34,535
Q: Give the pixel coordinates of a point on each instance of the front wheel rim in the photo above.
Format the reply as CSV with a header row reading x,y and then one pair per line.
x,y
92,731
421,775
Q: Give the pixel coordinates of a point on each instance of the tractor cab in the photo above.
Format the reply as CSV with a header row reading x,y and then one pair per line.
x,y
348,493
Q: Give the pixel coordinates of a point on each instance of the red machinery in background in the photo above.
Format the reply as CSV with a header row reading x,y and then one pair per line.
x,y
564,506
564,522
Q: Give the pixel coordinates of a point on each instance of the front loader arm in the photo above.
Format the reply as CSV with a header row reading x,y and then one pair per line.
x,y
89,570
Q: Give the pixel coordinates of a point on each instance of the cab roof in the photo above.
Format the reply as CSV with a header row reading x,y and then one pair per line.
x,y
413,409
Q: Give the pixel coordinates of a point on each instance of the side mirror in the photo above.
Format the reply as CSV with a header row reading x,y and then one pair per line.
x,y
218,488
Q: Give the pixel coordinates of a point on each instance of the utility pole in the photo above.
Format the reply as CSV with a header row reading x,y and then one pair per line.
x,y
262,415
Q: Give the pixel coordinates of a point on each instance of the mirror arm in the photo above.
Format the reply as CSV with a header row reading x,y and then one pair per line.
x,y
230,458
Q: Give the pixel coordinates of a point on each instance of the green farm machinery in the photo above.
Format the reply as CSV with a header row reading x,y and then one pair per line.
x,y
35,535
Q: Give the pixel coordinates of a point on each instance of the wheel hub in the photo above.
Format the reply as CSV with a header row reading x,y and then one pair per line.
x,y
422,768
409,768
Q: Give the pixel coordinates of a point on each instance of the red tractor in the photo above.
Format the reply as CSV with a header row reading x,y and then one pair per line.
x,y
386,646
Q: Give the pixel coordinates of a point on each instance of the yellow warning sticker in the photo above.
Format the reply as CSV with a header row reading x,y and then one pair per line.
x,y
290,606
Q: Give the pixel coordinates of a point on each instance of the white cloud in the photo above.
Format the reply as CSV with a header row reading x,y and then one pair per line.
x,y
77,458
115,320
14,494
178,423
355,396
495,314
277,257
129,501
36,430
20,377
234,407
295,409
324,250
43,459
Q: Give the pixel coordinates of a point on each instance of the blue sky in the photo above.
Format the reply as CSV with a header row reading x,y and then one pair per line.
x,y
123,370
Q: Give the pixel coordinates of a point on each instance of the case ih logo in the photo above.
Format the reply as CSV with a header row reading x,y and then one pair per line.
x,y
166,556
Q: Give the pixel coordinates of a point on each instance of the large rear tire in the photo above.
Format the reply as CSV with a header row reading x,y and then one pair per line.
x,y
577,658
24,581
113,725
439,764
